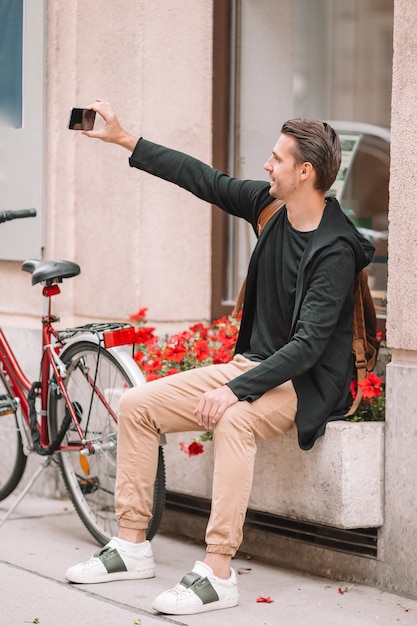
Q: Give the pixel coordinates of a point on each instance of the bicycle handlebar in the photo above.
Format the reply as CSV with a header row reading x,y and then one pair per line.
x,y
6,216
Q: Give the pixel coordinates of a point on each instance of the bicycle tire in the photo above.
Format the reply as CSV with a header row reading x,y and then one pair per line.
x,y
12,458
92,490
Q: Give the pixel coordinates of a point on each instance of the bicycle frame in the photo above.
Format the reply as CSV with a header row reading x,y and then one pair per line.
x,y
50,366
19,384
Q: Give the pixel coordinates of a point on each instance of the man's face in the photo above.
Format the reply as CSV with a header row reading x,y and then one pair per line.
x,y
283,171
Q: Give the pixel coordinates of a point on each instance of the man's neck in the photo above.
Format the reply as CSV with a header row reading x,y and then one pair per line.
x,y
304,214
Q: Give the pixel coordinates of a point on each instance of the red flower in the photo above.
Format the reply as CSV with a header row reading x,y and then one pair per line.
x,y
175,353
199,345
201,349
199,329
153,376
195,448
354,388
140,315
172,370
222,355
144,334
371,386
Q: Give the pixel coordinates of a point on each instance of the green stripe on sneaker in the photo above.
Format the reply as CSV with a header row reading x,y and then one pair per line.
x,y
202,587
189,579
111,560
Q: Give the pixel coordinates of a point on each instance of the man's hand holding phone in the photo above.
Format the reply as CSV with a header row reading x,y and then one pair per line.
x,y
111,132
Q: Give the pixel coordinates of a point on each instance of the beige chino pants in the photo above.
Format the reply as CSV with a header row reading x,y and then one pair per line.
x,y
166,406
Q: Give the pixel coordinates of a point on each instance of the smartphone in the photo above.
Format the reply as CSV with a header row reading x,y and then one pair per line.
x,y
82,119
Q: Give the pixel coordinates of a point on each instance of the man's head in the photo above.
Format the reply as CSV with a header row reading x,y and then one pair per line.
x,y
317,143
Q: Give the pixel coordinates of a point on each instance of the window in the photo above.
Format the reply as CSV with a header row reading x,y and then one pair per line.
x,y
328,59
11,42
22,41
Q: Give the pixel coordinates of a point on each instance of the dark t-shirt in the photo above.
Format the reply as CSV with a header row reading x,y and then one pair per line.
x,y
283,249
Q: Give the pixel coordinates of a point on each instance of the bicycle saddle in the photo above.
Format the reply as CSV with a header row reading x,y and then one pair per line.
x,y
50,270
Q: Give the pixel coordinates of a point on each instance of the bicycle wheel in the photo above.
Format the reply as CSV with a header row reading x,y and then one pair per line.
x,y
90,480
12,458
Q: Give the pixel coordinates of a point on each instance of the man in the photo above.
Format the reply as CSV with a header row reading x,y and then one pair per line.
x,y
293,363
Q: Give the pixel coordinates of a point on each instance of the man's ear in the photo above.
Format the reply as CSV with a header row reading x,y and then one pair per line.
x,y
306,170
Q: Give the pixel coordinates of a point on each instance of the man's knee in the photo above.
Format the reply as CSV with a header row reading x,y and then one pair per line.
x,y
131,400
143,403
235,420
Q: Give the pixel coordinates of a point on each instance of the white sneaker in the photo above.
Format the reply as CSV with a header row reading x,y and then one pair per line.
x,y
199,591
114,562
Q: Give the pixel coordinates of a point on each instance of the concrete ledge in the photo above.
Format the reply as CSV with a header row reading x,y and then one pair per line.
x,y
340,482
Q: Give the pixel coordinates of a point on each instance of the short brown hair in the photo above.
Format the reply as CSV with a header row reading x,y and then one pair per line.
x,y
318,144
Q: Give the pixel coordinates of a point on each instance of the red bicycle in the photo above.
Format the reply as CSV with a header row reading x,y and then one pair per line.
x,y
70,414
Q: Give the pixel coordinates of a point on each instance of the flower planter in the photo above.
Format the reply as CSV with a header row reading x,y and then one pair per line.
x,y
338,483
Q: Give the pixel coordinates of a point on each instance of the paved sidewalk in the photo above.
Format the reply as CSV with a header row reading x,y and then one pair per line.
x,y
44,537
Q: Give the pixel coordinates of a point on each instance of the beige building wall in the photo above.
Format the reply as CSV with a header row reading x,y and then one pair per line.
x,y
140,242
400,529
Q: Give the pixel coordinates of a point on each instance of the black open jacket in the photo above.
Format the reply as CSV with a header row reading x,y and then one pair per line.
x,y
318,356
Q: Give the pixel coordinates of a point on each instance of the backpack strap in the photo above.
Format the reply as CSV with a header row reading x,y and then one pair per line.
x,y
360,364
268,212
365,343
264,217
